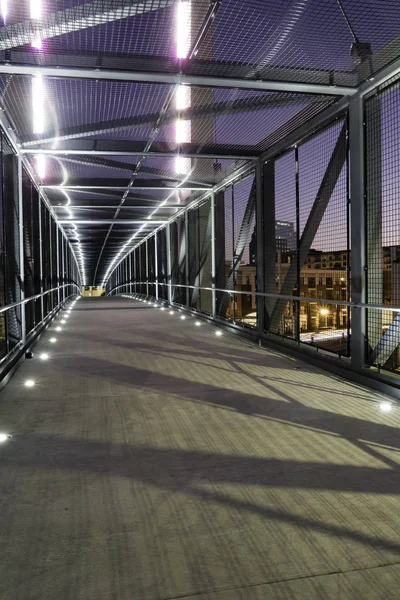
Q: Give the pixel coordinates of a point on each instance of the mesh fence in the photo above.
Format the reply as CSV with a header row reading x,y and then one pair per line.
x,y
382,120
312,254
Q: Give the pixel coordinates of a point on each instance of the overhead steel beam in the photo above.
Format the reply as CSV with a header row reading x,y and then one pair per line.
x,y
240,105
114,206
76,18
123,166
108,221
157,63
154,153
174,79
123,188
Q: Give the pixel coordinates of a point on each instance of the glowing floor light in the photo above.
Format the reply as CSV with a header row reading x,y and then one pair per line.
x,y
44,356
53,340
4,437
29,383
386,407
218,333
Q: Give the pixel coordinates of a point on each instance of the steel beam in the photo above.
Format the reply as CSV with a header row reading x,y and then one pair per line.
x,y
153,153
241,105
99,207
21,250
123,188
76,18
175,79
357,207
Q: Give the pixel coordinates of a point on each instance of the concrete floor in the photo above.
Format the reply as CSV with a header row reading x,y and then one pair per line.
x,y
153,460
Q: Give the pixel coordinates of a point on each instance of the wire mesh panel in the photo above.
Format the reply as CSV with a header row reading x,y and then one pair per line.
x,y
12,249
312,255
239,273
178,260
382,118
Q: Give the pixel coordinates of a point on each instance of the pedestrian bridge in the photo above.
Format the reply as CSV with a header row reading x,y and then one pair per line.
x,y
152,458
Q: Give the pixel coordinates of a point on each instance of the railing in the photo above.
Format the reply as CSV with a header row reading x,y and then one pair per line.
x,y
319,323
14,344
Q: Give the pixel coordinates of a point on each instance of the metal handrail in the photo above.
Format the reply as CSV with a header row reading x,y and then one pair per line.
x,y
266,295
25,300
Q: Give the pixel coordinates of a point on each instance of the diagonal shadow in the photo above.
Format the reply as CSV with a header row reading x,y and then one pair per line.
x,y
183,471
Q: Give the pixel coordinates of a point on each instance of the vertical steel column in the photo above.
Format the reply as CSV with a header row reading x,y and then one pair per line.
x,y
134,269
357,208
41,258
63,267
156,264
260,283
213,260
296,327
169,274
130,272
266,246
147,267
21,250
187,258
58,265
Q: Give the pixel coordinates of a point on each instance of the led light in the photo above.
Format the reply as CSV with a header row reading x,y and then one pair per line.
x,y
183,317
218,333
44,356
182,165
66,317
182,131
63,321
198,323
171,312
53,340
37,44
40,160
4,9
155,305
36,9
386,407
183,26
182,97
29,383
163,308
4,437
58,328
38,104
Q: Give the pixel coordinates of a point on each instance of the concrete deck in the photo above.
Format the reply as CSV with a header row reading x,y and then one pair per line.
x,y
153,460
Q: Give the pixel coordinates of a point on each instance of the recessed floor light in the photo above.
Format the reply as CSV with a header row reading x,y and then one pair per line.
x,y
171,312
163,308
53,340
386,407
58,328
218,333
44,356
63,321
29,383
183,317
198,323
4,437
